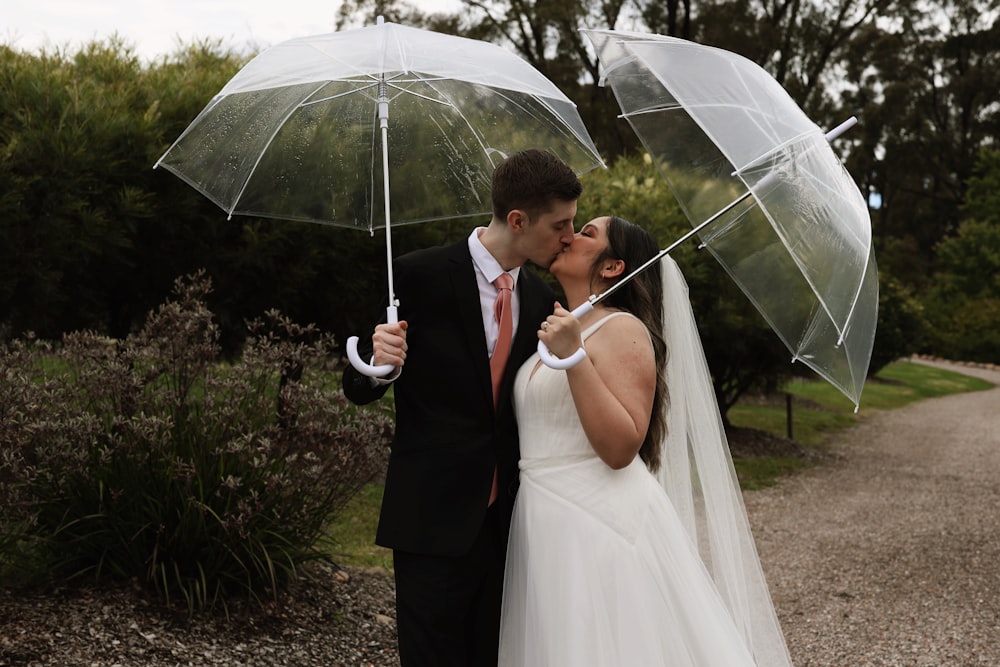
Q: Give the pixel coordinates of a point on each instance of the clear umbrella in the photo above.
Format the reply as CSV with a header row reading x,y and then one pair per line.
x,y
312,128
767,195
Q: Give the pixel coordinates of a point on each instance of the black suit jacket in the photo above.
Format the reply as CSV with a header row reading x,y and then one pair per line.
x,y
448,438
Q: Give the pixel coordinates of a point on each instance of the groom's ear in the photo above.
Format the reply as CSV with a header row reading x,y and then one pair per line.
x,y
612,268
517,219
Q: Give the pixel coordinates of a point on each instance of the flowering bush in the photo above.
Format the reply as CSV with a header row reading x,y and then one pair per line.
x,y
150,458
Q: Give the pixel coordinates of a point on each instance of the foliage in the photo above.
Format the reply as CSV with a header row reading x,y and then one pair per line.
x,y
927,91
902,326
148,458
963,302
982,201
632,189
964,327
969,262
86,238
70,131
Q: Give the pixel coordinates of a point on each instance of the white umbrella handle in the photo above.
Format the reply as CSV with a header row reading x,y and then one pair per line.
x,y
359,364
391,314
555,362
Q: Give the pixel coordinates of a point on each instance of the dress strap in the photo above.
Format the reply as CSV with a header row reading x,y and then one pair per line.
x,y
597,325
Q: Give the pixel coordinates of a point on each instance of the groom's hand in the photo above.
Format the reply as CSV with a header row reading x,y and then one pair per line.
x,y
389,343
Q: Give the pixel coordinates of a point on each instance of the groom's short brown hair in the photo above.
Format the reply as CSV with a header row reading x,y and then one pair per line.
x,y
530,180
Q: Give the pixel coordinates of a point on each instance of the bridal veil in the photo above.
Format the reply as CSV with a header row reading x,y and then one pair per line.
x,y
698,475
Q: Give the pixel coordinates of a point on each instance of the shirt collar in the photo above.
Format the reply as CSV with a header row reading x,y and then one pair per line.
x,y
484,261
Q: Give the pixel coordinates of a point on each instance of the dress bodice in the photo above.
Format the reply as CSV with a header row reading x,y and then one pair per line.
x,y
548,423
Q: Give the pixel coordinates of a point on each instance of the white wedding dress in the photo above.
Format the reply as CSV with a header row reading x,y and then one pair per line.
x,y
601,569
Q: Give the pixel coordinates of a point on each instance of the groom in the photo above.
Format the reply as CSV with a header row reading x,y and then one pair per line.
x,y
452,476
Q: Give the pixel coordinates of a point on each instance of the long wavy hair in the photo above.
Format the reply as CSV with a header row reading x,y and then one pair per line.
x,y
643,297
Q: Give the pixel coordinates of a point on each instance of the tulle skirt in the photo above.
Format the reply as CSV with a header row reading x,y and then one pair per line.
x,y
601,572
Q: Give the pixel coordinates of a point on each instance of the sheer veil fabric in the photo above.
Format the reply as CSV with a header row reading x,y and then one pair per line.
x,y
698,475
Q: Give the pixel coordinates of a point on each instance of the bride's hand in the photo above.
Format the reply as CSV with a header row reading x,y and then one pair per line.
x,y
561,332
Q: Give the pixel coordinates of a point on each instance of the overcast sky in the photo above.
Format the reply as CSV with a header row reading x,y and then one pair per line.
x,y
153,27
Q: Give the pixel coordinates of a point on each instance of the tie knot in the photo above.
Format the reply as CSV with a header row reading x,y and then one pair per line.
x,y
504,281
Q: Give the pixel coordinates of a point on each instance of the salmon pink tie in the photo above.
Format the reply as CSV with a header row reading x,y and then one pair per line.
x,y
502,311
505,318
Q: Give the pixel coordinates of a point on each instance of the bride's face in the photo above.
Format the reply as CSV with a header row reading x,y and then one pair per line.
x,y
575,262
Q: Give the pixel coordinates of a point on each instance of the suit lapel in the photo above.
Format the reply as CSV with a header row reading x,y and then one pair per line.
x,y
466,298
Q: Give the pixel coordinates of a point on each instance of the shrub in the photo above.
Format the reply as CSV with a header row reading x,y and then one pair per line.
x,y
150,458
963,303
902,324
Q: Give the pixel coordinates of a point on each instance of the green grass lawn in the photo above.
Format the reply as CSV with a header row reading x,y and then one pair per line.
x,y
352,536
818,411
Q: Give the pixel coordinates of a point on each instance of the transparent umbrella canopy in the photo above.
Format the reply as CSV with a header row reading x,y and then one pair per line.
x,y
768,197
313,128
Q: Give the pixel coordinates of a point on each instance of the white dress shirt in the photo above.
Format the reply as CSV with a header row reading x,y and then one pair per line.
x,y
487,270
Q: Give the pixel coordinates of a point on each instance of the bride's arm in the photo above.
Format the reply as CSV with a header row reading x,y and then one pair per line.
x,y
613,389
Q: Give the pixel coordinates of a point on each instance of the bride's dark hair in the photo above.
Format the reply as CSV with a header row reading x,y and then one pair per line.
x,y
643,297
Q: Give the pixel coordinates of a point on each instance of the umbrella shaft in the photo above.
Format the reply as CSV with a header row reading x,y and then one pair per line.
x,y
388,226
383,121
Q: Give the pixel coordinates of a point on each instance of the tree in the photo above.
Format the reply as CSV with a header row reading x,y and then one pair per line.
x,y
964,300
801,43
928,90
982,195
72,132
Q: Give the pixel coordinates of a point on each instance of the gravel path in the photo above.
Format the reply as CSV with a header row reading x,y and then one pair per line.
x,y
890,554
886,554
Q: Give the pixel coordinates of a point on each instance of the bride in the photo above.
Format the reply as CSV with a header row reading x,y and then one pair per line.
x,y
629,543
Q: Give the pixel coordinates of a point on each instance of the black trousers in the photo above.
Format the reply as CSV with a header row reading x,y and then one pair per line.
x,y
448,609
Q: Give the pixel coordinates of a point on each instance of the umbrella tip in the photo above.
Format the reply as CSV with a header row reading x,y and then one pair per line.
x,y
380,20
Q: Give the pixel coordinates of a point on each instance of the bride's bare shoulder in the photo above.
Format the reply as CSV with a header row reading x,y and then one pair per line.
x,y
621,336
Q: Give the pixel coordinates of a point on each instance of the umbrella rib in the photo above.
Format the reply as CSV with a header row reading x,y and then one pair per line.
x,y
260,155
404,91
854,302
328,98
778,147
374,84
366,83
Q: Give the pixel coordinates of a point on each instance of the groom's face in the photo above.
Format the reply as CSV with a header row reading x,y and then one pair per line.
x,y
548,233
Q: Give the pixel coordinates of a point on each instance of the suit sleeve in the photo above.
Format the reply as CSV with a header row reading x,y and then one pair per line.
x,y
359,388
